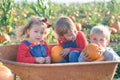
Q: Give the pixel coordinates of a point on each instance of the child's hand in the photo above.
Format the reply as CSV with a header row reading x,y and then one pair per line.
x,y
40,60
101,58
47,60
101,49
65,52
85,56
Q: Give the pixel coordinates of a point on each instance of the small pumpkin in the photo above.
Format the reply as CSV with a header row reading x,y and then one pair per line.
x,y
113,30
78,26
5,73
116,25
4,37
91,50
72,18
55,53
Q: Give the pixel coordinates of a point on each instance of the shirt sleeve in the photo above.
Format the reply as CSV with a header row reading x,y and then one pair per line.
x,y
23,54
81,41
111,55
48,49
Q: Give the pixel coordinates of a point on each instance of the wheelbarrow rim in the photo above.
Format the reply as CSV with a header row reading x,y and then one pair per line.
x,y
55,64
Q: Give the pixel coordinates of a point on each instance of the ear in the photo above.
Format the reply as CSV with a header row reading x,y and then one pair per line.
x,y
90,37
45,32
108,41
28,30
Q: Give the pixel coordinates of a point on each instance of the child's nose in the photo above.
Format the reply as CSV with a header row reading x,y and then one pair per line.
x,y
98,43
38,34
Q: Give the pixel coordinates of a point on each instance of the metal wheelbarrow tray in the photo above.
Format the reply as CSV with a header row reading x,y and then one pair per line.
x,y
103,70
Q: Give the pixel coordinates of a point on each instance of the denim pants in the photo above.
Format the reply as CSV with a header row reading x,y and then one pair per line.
x,y
72,57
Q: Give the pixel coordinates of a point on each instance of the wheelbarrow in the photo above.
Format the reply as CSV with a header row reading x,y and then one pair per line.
x,y
103,70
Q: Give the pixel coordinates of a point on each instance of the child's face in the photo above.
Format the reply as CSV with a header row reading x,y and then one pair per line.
x,y
99,39
36,33
71,35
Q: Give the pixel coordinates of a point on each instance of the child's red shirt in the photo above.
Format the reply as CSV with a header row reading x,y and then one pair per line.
x,y
81,41
24,55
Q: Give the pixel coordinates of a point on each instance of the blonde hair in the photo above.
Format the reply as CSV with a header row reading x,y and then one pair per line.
x,y
63,24
22,33
101,30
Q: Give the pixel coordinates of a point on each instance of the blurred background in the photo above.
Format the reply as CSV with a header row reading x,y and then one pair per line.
x,y
86,13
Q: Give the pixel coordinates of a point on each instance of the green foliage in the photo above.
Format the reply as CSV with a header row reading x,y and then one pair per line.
x,y
50,38
117,74
6,8
41,8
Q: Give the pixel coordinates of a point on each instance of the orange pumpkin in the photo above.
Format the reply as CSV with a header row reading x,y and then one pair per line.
x,y
4,37
5,73
116,25
113,30
92,51
55,53
78,26
72,18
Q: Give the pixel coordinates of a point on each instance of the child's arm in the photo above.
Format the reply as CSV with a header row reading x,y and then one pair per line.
x,y
81,41
65,52
48,58
47,49
23,54
111,55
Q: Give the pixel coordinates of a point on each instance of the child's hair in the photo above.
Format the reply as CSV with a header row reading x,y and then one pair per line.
x,y
101,30
21,32
63,24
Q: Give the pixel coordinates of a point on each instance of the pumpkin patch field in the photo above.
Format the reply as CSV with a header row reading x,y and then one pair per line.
x,y
15,14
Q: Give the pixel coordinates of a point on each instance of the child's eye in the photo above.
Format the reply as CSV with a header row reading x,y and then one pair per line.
x,y
35,31
94,39
41,32
102,40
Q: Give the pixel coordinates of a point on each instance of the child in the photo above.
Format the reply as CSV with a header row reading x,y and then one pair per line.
x,y
33,49
70,39
100,35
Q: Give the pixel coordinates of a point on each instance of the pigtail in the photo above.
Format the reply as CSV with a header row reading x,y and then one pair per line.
x,y
21,32
46,22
